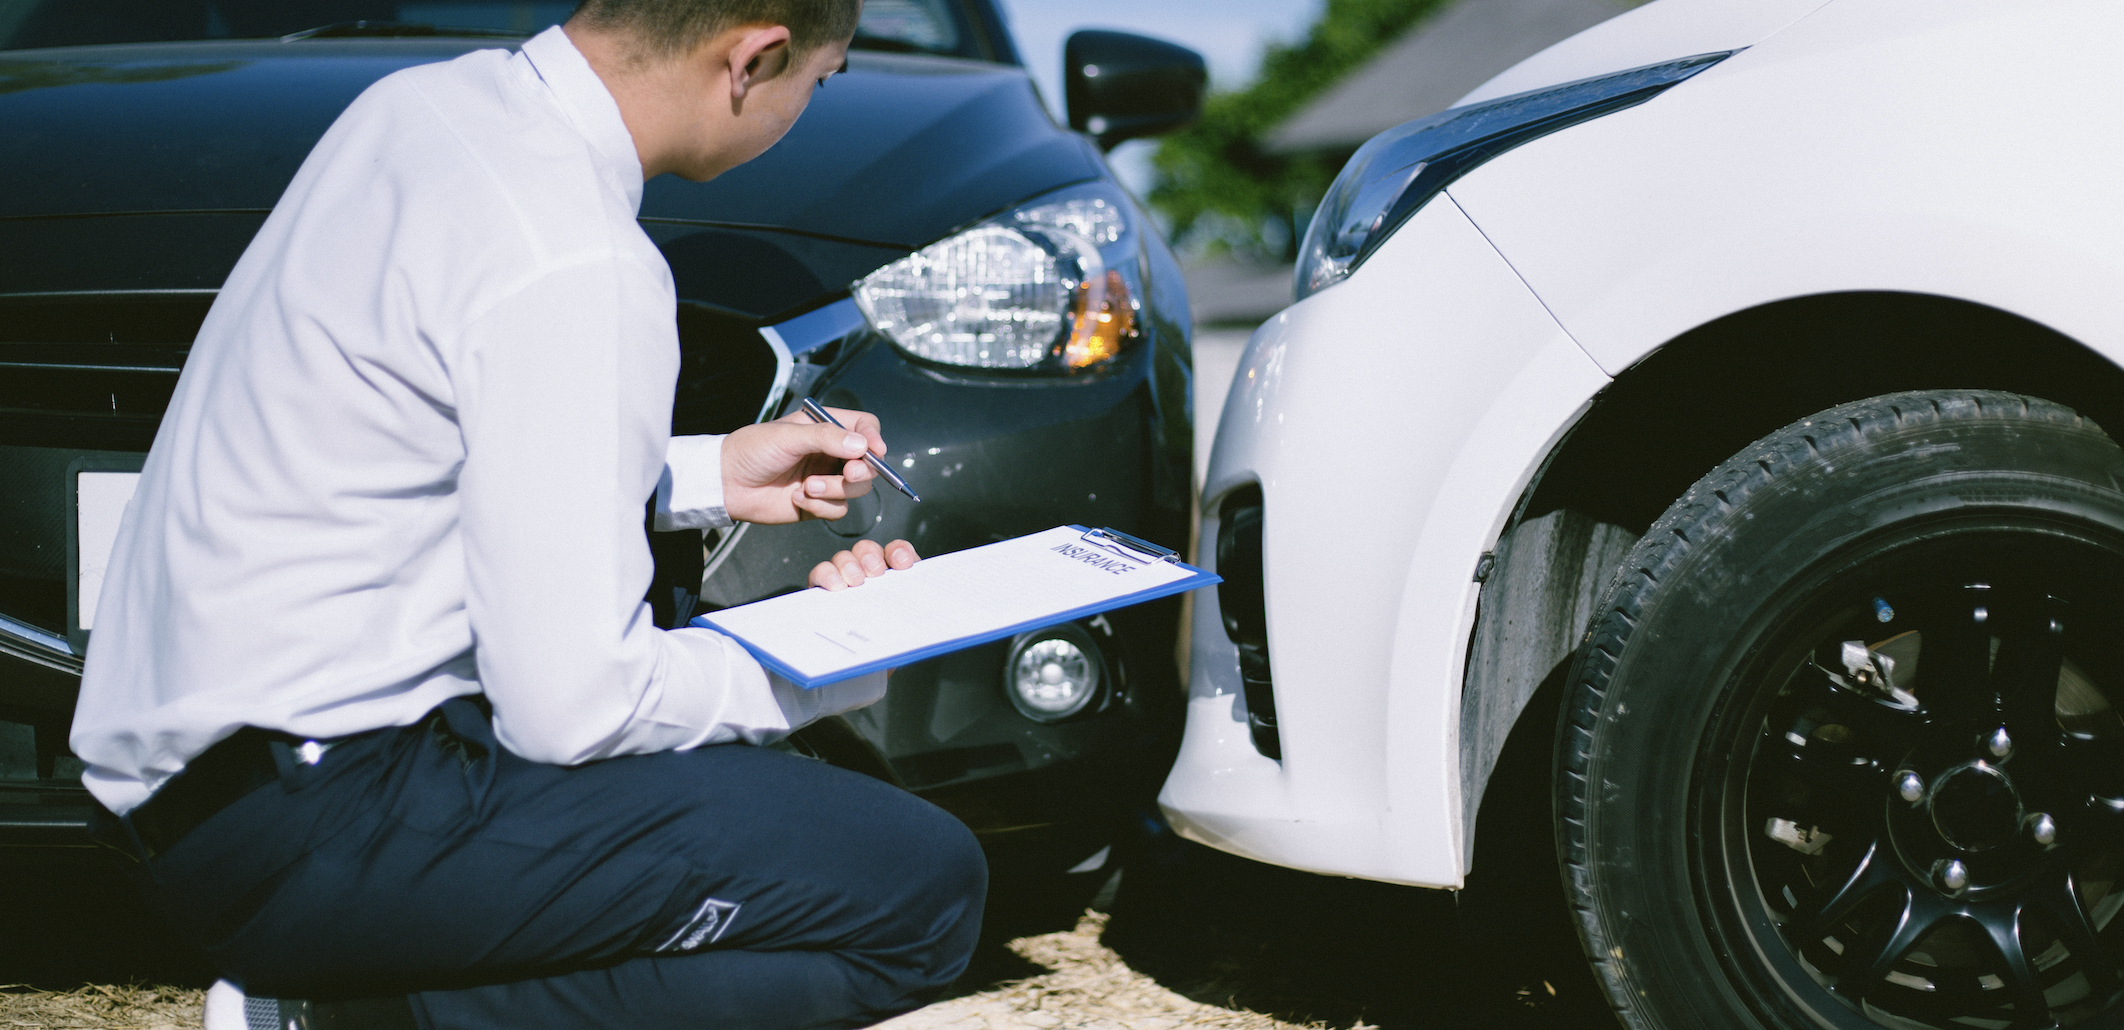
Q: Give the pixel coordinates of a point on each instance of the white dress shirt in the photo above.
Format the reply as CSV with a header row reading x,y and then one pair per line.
x,y
409,453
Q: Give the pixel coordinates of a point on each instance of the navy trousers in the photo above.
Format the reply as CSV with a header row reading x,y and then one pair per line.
x,y
729,887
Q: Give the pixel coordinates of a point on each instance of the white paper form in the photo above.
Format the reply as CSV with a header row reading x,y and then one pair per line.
x,y
948,602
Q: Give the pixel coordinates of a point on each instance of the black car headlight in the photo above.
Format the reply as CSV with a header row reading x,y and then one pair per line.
x,y
1050,286
1399,170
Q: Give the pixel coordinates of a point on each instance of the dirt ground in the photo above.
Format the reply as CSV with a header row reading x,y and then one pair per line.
x,y
1185,938
1087,986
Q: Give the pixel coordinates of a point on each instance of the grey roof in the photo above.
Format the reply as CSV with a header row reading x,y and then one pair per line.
x,y
1436,63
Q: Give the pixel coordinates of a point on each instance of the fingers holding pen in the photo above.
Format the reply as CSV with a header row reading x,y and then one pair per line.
x,y
837,476
850,483
821,508
864,424
859,424
800,466
863,431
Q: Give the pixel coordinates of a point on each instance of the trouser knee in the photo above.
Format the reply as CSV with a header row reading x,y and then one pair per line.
x,y
951,888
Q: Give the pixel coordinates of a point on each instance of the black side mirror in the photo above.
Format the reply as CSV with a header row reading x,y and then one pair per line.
x,y
1120,86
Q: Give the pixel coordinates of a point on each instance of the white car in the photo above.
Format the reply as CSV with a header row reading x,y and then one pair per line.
x,y
1715,400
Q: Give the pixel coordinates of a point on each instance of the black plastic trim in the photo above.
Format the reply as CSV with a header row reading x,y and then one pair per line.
x,y
34,815
1242,601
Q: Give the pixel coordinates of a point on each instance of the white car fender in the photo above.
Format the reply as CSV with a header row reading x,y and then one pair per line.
x,y
1454,380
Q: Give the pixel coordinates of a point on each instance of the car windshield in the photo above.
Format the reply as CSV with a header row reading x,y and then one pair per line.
x,y
920,26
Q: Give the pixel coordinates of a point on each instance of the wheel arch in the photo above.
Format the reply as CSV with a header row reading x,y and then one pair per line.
x,y
1786,360
1657,428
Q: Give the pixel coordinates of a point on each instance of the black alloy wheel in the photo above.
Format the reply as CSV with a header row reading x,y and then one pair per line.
x,y
1853,717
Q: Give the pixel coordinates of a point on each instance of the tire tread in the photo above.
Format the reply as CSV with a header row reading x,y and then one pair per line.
x,y
1720,495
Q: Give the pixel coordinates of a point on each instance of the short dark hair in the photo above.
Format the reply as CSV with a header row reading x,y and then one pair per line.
x,y
668,27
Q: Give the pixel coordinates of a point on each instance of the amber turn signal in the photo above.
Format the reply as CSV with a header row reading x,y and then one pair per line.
x,y
1104,321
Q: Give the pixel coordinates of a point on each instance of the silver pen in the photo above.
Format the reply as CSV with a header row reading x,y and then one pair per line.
x,y
877,465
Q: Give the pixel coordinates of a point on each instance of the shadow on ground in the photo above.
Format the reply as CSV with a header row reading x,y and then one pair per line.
x,y
71,919
1318,949
1312,949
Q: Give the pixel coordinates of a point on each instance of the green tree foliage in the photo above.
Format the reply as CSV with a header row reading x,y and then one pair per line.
x,y
1216,184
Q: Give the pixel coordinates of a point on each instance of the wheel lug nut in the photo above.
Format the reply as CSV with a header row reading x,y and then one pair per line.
x,y
1910,787
1952,875
2044,829
1999,743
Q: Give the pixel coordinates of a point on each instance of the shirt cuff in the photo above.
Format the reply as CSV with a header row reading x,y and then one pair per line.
x,y
689,495
803,706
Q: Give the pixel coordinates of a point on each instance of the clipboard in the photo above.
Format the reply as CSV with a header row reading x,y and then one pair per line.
x,y
954,601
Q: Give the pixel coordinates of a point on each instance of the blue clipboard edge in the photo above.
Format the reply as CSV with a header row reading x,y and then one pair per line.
x,y
1198,580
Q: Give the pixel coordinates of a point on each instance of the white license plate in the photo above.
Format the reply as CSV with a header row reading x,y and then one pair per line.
x,y
99,502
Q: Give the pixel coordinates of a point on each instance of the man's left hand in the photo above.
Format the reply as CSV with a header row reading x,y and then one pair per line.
x,y
863,561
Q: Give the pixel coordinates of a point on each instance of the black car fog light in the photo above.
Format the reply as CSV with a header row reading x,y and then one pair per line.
x,y
1054,673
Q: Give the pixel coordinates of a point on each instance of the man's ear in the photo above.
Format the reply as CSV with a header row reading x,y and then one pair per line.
x,y
761,54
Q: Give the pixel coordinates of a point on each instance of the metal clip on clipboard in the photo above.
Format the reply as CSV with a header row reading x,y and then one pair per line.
x,y
1130,546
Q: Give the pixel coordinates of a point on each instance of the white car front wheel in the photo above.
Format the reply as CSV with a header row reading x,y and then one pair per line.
x,y
1844,749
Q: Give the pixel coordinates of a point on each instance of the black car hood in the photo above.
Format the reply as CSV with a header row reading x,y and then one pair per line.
x,y
898,152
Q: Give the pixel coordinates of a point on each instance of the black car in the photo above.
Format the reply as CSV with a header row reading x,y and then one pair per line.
x,y
927,244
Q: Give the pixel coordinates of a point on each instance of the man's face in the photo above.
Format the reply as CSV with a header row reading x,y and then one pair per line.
x,y
770,106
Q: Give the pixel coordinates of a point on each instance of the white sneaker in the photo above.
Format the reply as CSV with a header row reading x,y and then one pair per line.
x,y
224,1007
228,1008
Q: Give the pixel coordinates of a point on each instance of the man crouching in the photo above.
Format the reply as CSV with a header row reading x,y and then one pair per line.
x,y
375,699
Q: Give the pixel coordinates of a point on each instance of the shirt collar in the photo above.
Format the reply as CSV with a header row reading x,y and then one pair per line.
x,y
589,106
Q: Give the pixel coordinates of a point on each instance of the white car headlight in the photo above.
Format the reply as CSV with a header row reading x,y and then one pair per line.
x,y
1050,286
1397,171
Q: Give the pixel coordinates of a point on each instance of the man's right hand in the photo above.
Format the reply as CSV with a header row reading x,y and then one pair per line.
x,y
794,468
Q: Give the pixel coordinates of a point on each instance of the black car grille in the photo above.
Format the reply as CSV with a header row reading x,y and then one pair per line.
x,y
78,373
85,373
92,371
113,362
36,600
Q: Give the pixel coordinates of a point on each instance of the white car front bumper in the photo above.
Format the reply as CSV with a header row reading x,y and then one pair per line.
x,y
1391,422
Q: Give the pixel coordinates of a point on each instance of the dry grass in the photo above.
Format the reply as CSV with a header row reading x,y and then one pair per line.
x,y
1088,987
100,1008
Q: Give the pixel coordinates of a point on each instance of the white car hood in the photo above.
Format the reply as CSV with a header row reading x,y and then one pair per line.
x,y
1660,31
